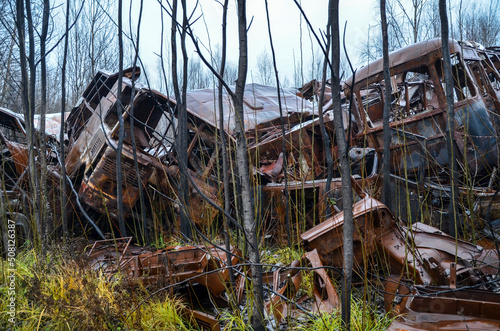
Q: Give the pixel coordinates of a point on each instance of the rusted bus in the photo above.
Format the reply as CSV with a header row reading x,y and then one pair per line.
x,y
262,125
264,137
418,109
92,128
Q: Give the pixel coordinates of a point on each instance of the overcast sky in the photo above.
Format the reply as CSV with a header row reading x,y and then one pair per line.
x,y
285,26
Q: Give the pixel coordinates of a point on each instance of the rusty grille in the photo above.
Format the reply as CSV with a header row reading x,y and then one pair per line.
x,y
129,174
97,146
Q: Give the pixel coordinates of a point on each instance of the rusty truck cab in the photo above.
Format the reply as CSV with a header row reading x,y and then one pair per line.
x,y
92,128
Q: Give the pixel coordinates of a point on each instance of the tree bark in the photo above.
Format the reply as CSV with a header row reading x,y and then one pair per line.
x,y
61,132
250,225
43,111
145,234
28,86
344,166
180,98
450,118
183,128
121,128
222,133
386,166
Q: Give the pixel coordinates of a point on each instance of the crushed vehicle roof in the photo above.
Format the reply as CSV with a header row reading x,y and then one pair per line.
x,y
404,55
261,107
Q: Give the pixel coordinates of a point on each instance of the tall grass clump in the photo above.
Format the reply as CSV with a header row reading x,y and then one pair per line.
x,y
363,318
62,293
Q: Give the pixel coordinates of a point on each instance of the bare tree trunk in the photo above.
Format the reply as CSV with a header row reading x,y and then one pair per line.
x,y
282,122
344,166
242,161
6,87
225,166
43,110
28,87
121,128
145,233
22,55
183,128
386,166
450,123
61,132
326,138
181,137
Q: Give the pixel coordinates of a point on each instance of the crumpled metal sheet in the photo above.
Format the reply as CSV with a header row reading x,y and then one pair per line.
x,y
260,107
204,265
194,264
422,253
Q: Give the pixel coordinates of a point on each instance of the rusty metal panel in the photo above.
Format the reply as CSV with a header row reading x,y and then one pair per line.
x,y
195,264
434,308
420,252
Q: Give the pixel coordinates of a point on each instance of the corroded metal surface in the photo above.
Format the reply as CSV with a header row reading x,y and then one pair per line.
x,y
195,264
421,253
202,265
261,109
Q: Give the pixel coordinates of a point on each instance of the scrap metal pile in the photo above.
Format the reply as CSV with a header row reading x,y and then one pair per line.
x,y
181,266
432,280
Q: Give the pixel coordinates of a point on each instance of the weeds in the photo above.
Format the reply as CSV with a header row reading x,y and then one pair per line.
x,y
363,318
281,256
62,294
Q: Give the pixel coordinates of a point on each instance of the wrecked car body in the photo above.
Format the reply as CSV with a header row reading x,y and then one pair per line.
x,y
92,132
439,308
193,264
14,173
13,144
148,157
418,107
